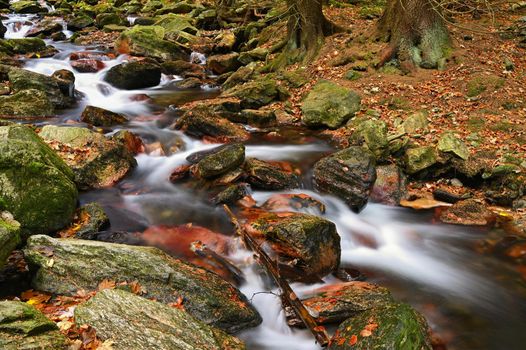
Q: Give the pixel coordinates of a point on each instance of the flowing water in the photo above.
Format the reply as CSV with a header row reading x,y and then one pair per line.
x,y
471,301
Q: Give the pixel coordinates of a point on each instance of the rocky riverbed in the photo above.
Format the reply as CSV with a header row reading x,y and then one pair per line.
x,y
126,126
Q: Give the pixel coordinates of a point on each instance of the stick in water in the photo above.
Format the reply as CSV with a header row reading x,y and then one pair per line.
x,y
292,299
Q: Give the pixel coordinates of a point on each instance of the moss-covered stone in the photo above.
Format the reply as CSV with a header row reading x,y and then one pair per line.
x,y
221,64
9,235
35,184
257,93
481,83
205,295
134,75
372,133
92,219
420,158
126,319
329,104
177,28
96,160
221,160
149,41
23,45
395,326
415,122
450,143
24,327
101,117
266,176
27,7
26,103
307,244
80,22
349,174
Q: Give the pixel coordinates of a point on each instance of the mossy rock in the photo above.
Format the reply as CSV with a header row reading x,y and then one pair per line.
x,y
395,326
481,83
27,103
329,104
101,117
106,163
22,327
258,93
420,158
266,176
9,236
415,122
204,294
372,133
149,41
23,45
134,75
93,219
27,7
35,184
221,160
80,22
450,143
306,244
177,28
104,19
126,319
348,174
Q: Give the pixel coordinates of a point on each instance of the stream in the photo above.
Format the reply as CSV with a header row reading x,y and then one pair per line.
x,y
471,301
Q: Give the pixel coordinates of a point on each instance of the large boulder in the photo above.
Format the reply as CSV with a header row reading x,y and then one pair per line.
x,y
9,235
22,326
23,45
394,326
35,184
349,174
27,6
134,75
97,161
126,320
26,103
306,245
79,264
149,41
329,104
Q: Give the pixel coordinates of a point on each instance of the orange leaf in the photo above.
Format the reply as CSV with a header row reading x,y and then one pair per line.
x,y
106,284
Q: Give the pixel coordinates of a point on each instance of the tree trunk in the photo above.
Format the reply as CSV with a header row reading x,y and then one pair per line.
x,y
416,33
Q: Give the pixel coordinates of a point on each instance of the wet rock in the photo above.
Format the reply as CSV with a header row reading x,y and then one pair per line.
x,y
220,64
230,195
259,117
134,75
45,28
306,245
35,184
450,143
27,7
96,161
80,22
504,184
329,104
396,326
3,30
420,158
103,19
26,103
338,302
221,160
188,83
22,326
9,235
129,140
257,93
87,66
148,41
53,87
467,212
182,68
23,45
92,219
267,176
198,122
241,76
349,174
126,319
101,117
205,296
66,81
390,185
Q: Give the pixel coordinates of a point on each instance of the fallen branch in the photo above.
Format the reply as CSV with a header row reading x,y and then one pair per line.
x,y
288,294
200,249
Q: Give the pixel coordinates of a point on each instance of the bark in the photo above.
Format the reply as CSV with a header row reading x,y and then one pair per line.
x,y
416,33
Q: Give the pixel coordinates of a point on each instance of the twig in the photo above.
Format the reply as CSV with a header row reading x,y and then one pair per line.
x,y
292,299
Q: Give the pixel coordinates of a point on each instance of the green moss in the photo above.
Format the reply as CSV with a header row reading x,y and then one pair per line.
x,y
476,123
479,84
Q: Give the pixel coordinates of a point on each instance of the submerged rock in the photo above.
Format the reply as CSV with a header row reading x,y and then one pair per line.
x,y
9,235
22,326
134,75
307,245
101,117
329,104
35,184
96,160
79,264
126,320
349,174
267,176
395,326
